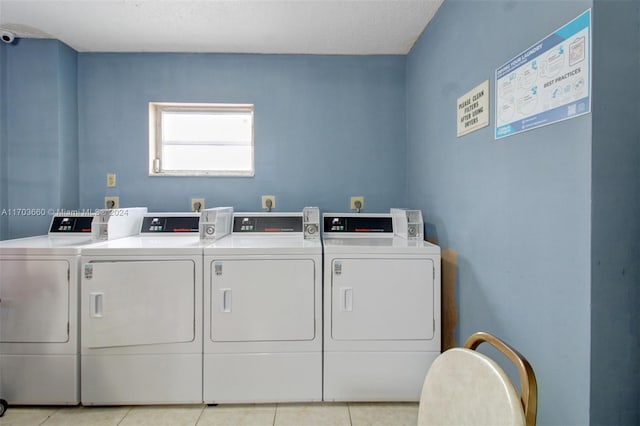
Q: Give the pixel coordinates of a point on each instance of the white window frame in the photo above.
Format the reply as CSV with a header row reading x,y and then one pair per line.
x,y
156,141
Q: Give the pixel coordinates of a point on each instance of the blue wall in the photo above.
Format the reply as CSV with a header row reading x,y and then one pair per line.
x,y
40,137
517,210
615,268
3,142
326,128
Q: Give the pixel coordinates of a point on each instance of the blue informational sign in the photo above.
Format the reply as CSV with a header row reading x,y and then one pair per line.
x,y
547,83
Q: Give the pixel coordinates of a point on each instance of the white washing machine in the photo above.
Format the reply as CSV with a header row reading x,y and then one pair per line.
x,y
381,308
263,310
141,314
39,347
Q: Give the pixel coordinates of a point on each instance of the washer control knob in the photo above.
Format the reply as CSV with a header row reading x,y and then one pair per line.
x,y
312,229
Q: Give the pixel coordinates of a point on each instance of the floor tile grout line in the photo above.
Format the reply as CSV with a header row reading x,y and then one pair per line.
x,y
201,420
125,415
201,414
49,416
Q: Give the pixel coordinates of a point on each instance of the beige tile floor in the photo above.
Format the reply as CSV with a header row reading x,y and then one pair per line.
x,y
313,414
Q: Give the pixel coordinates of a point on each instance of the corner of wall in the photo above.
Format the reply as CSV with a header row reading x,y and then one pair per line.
x,y
3,141
615,207
68,126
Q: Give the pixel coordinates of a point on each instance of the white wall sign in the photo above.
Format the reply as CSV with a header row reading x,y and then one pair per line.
x,y
473,109
547,83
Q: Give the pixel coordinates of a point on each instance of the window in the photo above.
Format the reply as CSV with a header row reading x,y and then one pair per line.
x,y
200,139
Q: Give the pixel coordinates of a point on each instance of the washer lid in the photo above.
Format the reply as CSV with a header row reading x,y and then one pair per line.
x,y
385,246
264,244
68,244
186,243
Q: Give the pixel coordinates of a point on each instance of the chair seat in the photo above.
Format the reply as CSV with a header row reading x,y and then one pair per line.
x,y
465,387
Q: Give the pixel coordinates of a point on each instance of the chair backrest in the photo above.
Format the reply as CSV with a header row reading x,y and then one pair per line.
x,y
465,387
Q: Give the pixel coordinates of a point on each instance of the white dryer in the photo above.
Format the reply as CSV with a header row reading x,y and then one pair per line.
x,y
381,309
141,315
263,310
39,351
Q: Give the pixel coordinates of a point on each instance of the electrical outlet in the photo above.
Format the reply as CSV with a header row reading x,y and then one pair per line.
x,y
268,202
357,203
197,204
111,202
111,180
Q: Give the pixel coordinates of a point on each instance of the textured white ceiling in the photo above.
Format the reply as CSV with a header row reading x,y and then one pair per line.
x,y
345,27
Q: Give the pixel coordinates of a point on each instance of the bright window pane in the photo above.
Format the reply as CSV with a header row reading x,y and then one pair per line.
x,y
206,127
201,139
207,157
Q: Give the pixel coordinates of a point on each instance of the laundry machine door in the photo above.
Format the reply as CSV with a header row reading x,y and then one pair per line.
x,y
132,303
262,300
34,301
382,299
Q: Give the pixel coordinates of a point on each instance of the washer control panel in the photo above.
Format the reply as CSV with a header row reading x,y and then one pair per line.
x,y
357,224
268,223
71,224
170,224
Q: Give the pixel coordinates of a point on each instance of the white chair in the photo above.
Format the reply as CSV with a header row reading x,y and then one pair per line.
x,y
465,387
